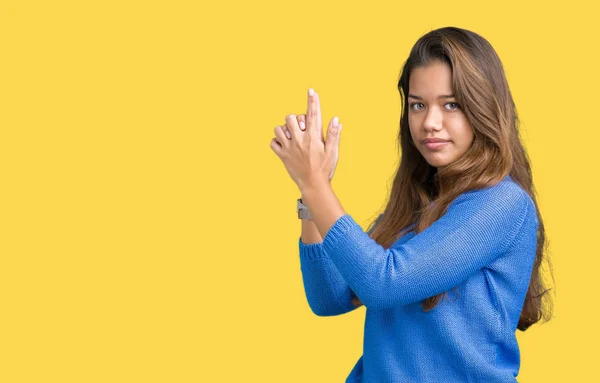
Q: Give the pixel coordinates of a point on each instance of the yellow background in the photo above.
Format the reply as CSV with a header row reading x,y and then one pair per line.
x,y
148,232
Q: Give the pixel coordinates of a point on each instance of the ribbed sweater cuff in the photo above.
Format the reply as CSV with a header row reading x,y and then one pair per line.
x,y
338,230
312,251
316,251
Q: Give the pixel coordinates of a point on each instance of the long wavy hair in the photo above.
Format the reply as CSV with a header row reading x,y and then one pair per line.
x,y
480,86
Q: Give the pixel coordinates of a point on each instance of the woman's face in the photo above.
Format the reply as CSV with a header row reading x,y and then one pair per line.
x,y
434,113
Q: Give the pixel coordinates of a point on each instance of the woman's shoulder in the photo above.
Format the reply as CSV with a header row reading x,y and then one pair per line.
x,y
506,193
506,199
506,188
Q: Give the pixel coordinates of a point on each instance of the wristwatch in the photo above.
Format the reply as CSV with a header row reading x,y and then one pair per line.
x,y
302,210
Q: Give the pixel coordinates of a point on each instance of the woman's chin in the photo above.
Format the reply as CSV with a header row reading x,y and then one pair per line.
x,y
437,162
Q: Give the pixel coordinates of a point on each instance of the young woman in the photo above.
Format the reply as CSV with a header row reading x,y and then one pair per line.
x,y
452,268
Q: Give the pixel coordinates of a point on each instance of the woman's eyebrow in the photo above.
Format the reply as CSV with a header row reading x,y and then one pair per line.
x,y
442,96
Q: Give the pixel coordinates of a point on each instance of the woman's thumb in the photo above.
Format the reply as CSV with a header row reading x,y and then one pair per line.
x,y
333,135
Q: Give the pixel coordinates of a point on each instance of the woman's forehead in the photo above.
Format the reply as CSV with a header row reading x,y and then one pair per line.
x,y
431,82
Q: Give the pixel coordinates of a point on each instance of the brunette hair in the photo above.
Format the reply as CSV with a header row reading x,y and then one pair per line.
x,y
481,89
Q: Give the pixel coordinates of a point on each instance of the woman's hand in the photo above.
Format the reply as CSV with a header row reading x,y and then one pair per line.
x,y
300,144
301,118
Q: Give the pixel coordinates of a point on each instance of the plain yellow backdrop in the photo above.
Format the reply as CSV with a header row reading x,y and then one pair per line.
x,y
148,232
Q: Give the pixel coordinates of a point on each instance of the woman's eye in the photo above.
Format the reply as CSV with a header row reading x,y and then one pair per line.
x,y
415,103
453,106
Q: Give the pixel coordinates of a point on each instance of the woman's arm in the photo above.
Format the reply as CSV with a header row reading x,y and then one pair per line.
x,y
477,228
310,234
326,290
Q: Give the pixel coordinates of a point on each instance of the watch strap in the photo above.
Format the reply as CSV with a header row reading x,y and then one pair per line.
x,y
302,210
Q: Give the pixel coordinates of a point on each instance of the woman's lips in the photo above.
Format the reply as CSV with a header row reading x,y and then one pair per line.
x,y
436,145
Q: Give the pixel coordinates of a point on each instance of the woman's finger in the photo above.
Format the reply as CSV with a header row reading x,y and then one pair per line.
x,y
276,147
302,124
292,125
314,123
287,132
302,121
280,136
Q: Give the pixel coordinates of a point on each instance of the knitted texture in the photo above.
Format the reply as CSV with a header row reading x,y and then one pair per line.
x,y
485,245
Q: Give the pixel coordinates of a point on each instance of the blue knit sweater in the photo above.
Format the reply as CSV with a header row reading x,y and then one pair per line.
x,y
484,245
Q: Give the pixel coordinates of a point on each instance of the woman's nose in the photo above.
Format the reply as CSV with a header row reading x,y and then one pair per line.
x,y
433,120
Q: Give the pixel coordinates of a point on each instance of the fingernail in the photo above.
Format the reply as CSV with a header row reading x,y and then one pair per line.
x,y
302,126
288,135
335,121
311,92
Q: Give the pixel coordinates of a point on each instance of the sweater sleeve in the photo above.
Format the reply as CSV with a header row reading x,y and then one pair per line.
x,y
326,290
477,227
